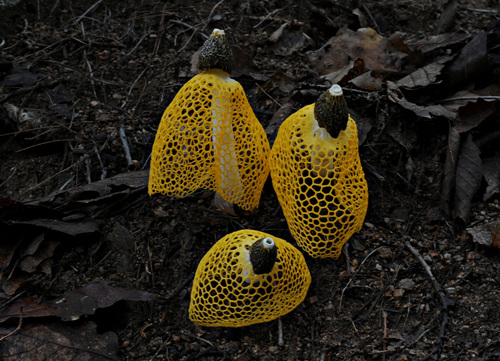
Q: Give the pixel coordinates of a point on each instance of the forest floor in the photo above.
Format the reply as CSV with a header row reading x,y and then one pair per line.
x,y
93,268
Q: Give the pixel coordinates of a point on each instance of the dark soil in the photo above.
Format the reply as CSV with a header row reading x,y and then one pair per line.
x,y
88,72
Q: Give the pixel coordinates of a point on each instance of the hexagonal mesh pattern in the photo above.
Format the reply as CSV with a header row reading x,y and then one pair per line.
x,y
210,138
319,183
226,291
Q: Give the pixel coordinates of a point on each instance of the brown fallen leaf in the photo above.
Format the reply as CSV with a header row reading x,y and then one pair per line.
x,y
486,234
424,111
279,116
470,63
280,84
449,171
68,228
436,42
447,17
342,76
289,38
58,341
468,178
97,197
423,77
491,170
367,82
37,253
376,51
74,304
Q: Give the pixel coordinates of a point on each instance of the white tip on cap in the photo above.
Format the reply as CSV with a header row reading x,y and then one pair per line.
x,y
268,242
335,90
218,32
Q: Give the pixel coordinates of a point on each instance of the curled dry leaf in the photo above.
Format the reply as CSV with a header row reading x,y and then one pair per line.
x,y
423,77
487,234
423,111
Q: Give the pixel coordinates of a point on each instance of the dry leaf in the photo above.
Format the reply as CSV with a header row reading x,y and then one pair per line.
x,y
423,77
436,42
491,169
57,341
397,96
487,234
468,178
470,63
450,166
74,304
367,82
342,76
375,50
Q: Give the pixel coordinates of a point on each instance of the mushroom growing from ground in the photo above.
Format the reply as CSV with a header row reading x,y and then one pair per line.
x,y
248,277
317,175
209,136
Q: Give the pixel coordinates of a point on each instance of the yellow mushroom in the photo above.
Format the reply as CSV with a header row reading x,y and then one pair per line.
x,y
248,277
209,136
317,175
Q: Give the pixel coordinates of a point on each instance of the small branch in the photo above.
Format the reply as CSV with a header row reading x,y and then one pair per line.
x,y
280,332
92,7
16,329
484,97
211,13
123,138
357,270
445,301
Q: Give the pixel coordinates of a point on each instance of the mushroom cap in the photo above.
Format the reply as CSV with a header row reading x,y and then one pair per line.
x,y
226,292
186,155
319,182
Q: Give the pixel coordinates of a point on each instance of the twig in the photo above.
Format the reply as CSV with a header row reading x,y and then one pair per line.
x,y
445,301
123,138
384,347
91,72
267,17
104,170
488,11
313,346
375,25
17,328
484,97
280,332
92,7
49,179
270,97
350,281
87,164
178,288
198,338
211,13
133,85
66,183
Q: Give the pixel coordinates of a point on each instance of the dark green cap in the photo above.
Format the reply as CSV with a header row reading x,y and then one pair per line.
x,y
263,255
216,53
330,111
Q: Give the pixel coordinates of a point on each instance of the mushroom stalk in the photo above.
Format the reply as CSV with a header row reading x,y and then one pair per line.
x,y
214,55
224,144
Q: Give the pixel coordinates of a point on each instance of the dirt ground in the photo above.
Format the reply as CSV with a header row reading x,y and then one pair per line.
x,y
89,81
